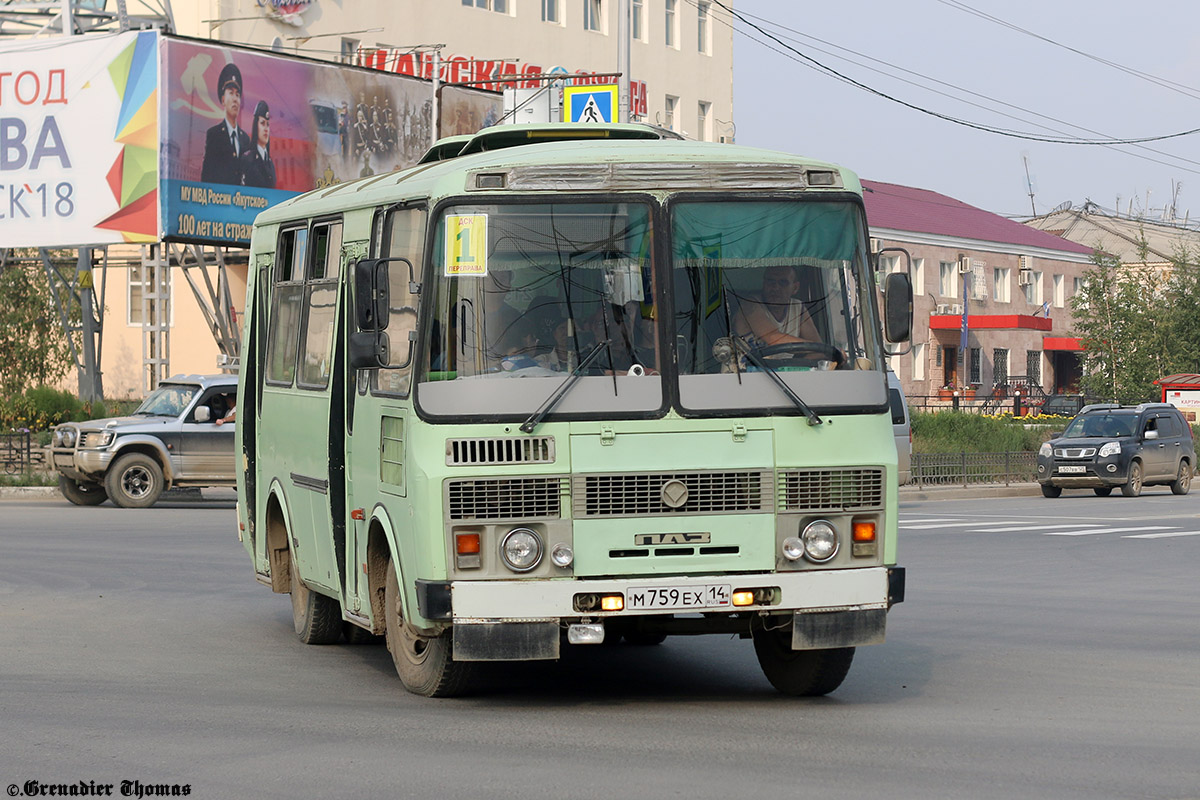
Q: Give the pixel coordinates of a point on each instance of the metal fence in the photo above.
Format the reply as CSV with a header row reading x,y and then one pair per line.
x,y
16,451
964,469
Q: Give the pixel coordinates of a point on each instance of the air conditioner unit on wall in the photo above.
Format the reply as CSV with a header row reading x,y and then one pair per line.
x,y
1024,262
956,309
876,245
1025,277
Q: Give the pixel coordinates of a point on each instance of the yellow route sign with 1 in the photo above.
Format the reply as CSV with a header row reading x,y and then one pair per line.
x,y
466,244
590,103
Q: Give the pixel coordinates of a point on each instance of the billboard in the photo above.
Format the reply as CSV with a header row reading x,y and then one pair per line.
x,y
79,141
138,137
246,129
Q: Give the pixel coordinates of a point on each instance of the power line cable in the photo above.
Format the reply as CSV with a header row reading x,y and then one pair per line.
x,y
1163,82
946,117
964,90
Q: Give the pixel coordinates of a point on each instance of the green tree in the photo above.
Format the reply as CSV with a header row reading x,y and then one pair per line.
x,y
1136,325
33,346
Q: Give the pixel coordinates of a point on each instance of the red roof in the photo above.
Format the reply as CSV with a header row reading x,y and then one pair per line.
x,y
903,208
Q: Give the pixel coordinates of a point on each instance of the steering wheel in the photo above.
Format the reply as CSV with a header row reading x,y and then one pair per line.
x,y
802,353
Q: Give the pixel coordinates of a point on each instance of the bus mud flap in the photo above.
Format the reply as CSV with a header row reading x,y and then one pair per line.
x,y
825,629
506,641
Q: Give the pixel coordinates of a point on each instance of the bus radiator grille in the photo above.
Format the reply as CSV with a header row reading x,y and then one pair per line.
x,y
730,492
500,450
847,489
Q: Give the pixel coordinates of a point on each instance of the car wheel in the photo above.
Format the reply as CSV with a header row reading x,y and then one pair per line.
x,y
425,664
1133,486
803,673
1183,483
1049,490
317,619
85,494
1102,491
135,480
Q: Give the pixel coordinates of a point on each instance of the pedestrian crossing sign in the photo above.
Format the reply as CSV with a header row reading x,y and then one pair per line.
x,y
590,103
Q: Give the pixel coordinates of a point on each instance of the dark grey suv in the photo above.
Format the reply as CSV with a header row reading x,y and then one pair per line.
x,y
1107,446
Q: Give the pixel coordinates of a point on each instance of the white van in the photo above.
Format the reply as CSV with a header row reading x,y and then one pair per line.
x,y
902,428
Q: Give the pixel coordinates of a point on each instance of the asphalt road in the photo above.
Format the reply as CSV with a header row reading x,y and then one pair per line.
x,y
1044,651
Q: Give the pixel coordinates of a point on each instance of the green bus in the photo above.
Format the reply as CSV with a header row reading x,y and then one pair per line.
x,y
560,385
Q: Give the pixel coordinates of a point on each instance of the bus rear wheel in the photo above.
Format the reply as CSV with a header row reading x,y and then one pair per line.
x,y
803,673
316,618
425,664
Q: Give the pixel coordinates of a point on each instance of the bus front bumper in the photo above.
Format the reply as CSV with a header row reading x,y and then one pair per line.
x,y
524,620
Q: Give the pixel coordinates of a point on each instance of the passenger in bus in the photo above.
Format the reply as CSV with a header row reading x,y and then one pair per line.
x,y
520,352
775,316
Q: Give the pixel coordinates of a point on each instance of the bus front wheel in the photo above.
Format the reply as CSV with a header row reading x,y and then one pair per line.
x,y
316,618
425,664
803,673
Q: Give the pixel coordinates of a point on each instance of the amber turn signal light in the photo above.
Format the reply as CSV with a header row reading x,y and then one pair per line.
x,y
466,543
864,531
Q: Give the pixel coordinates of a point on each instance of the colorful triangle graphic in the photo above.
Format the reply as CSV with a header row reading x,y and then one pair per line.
x,y
138,219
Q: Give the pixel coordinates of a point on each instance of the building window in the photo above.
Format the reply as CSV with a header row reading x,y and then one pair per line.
x,y
637,28
949,279
140,284
702,28
593,15
499,6
1033,367
550,11
976,366
704,121
350,51
669,112
1033,289
1000,288
1060,291
918,355
918,277
1000,366
671,22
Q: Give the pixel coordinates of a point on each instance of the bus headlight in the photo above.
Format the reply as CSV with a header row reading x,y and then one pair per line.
x,y
820,541
521,550
562,555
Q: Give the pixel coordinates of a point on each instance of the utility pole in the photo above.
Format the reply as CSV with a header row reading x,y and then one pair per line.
x,y
1029,183
624,45
91,386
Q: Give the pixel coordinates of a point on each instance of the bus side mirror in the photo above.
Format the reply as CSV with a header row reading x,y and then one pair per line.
x,y
368,350
371,294
897,307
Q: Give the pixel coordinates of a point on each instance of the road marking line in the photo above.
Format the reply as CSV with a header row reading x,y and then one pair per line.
x,y
1035,527
939,525
918,521
1109,530
1162,535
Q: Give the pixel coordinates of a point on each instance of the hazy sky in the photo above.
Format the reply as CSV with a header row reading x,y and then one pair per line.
x,y
782,103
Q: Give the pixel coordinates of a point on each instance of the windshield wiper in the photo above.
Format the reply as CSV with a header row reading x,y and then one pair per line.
x,y
537,416
757,360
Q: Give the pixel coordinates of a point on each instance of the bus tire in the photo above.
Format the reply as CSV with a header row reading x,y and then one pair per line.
x,y
135,480
802,673
425,664
316,618
81,494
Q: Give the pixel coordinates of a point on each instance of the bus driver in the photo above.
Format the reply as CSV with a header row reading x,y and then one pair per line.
x,y
776,316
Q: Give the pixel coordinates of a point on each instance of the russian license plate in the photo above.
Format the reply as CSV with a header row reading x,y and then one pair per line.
x,y
1072,469
669,598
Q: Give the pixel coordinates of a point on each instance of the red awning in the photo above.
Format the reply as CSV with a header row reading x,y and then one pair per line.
x,y
981,322
1061,343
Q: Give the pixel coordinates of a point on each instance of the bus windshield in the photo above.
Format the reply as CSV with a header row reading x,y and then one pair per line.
x,y
524,292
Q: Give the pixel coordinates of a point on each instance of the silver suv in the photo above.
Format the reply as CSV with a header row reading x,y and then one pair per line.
x,y
172,440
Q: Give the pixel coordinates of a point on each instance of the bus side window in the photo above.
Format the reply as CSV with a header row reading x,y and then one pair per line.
x,y
320,304
405,238
283,332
